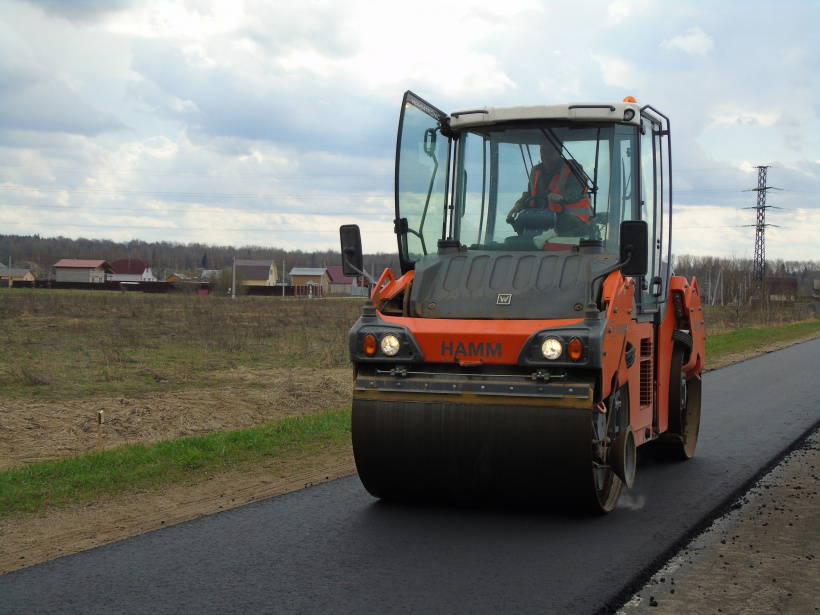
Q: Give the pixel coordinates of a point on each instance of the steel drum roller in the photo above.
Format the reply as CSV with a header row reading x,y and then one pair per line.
x,y
461,452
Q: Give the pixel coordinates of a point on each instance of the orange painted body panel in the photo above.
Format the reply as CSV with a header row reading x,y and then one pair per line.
x,y
475,342
451,341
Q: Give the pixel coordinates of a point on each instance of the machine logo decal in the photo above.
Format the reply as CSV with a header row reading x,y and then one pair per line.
x,y
504,299
471,349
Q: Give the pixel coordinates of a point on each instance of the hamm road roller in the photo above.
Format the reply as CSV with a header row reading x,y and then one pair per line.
x,y
536,335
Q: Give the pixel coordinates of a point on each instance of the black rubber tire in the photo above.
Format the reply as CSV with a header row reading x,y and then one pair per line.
x,y
608,495
684,340
681,438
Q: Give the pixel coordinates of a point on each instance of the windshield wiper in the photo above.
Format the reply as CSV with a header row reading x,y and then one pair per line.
x,y
576,169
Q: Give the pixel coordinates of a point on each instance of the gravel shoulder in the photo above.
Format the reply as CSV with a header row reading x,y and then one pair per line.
x,y
763,556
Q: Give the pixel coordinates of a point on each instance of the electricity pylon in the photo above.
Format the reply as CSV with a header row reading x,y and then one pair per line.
x,y
759,267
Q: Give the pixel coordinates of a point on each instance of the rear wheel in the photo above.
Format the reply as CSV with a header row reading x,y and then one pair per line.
x,y
605,431
684,408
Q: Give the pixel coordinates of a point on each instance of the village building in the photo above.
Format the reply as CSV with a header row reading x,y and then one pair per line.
x,y
8,277
311,278
79,270
781,288
340,284
208,275
256,273
132,270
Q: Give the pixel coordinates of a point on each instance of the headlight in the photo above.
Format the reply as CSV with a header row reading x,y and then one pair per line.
x,y
551,348
390,345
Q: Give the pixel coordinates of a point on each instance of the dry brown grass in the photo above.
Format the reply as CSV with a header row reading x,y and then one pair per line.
x,y
161,367
72,344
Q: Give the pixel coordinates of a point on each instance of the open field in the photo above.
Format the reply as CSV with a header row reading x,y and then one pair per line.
x,y
161,367
73,345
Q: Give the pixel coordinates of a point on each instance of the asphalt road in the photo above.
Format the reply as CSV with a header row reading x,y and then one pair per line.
x,y
334,549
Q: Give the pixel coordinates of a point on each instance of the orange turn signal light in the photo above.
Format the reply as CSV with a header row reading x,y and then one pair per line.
x,y
575,349
370,344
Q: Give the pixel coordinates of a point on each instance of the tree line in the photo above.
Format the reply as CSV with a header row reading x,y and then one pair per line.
x,y
729,281
40,253
722,280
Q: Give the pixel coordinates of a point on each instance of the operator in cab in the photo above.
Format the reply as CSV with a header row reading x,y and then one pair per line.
x,y
553,184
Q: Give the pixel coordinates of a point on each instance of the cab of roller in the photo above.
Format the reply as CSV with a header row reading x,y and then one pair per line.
x,y
458,192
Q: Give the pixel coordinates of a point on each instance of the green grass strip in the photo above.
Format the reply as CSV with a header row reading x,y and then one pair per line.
x,y
139,467
722,344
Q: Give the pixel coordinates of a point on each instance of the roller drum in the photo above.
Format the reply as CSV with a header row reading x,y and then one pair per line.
x,y
465,452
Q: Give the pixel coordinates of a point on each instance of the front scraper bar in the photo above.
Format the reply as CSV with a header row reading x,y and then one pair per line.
x,y
511,386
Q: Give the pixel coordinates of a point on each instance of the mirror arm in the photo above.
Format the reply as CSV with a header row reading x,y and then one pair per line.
x,y
592,311
357,270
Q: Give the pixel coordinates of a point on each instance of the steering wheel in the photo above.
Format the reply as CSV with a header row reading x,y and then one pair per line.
x,y
532,221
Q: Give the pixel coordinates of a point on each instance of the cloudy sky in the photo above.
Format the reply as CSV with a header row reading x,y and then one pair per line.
x,y
272,122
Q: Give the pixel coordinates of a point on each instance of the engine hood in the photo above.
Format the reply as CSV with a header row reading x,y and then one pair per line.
x,y
507,285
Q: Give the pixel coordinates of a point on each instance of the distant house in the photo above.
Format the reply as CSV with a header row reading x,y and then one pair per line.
x,y
310,276
79,270
781,288
256,273
177,277
132,270
209,275
340,284
9,276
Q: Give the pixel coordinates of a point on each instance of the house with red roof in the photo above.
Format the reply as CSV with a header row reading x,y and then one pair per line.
x,y
340,284
132,270
80,270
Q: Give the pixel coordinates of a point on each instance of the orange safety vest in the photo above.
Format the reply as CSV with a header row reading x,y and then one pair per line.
x,y
582,209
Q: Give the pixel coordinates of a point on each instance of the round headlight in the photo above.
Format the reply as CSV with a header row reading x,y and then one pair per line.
x,y
390,345
551,348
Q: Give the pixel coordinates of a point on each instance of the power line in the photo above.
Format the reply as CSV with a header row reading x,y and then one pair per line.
x,y
300,212
227,195
716,226
105,171
181,229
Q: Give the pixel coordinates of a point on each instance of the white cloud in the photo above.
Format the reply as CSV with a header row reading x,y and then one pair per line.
x,y
618,72
745,118
273,108
709,230
621,10
694,42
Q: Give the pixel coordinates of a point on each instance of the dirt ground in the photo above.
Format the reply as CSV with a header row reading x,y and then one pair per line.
x,y
46,430
41,430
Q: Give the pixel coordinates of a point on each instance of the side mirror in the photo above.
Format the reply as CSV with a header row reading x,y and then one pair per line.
x,y
634,248
352,257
